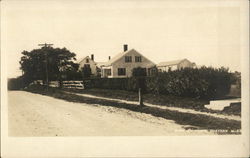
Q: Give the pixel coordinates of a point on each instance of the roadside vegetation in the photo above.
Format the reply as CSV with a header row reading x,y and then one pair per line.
x,y
202,83
157,99
198,121
163,100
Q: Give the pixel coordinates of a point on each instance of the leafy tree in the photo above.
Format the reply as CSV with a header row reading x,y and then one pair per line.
x,y
57,60
86,71
236,79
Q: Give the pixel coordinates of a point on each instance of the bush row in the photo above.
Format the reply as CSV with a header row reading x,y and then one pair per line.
x,y
200,83
128,84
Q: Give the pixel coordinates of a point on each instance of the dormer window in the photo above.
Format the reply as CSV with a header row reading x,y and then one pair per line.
x,y
137,58
128,59
87,60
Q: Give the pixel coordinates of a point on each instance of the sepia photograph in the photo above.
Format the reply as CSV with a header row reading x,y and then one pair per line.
x,y
116,69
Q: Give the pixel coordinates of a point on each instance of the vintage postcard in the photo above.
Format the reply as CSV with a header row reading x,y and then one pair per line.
x,y
125,78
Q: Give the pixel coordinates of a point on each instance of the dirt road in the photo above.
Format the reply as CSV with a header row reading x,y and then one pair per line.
x,y
36,115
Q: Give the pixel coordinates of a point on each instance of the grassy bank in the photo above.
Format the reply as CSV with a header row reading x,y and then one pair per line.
x,y
163,100
198,120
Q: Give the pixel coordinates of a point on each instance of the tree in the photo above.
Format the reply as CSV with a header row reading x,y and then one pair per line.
x,y
86,71
57,60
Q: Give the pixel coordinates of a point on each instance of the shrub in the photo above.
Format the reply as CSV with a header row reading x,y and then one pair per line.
x,y
188,82
128,84
72,75
198,83
18,83
86,71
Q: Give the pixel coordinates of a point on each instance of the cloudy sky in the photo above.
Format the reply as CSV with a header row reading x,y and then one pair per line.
x,y
207,33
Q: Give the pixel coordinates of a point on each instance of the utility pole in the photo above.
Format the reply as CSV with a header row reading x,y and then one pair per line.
x,y
140,97
45,45
141,84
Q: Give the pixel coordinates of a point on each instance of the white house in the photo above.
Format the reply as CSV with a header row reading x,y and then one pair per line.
x,y
89,62
174,65
123,63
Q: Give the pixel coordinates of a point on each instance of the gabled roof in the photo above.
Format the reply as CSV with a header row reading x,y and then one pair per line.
x,y
168,63
117,57
78,61
99,64
120,55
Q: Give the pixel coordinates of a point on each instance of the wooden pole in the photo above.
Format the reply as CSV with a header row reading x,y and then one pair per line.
x,y
140,98
47,76
46,64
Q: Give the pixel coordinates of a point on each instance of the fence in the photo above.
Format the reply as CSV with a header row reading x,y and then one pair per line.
x,y
73,84
65,84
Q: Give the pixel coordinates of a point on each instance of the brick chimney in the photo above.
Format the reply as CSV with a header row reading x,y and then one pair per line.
x,y
125,47
92,57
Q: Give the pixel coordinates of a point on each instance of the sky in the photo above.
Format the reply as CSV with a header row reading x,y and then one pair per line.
x,y
207,33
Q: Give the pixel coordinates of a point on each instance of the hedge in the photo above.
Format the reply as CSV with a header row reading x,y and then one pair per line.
x,y
17,83
205,82
200,83
129,84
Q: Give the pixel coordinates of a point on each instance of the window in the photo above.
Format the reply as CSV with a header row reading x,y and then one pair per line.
x,y
121,71
128,59
107,72
86,65
137,58
87,60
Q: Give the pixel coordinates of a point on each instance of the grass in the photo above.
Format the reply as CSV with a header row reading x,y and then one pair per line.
x,y
149,98
163,100
198,120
